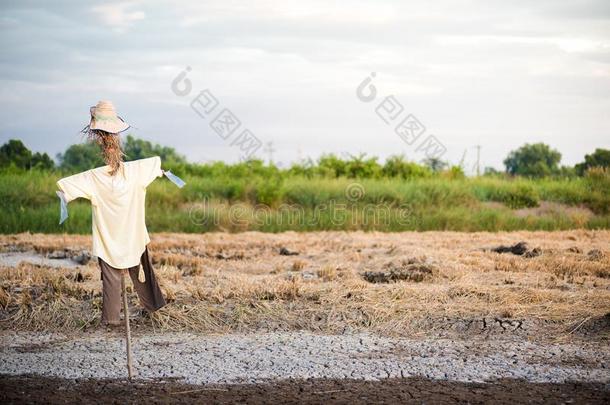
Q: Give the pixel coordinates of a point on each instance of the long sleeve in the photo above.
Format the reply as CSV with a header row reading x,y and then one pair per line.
x,y
73,187
148,170
77,186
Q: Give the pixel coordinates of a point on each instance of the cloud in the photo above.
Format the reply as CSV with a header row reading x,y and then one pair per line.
x,y
118,15
475,71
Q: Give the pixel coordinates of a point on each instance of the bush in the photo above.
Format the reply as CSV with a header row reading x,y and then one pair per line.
x,y
267,191
521,196
361,168
453,173
599,158
598,177
514,194
598,181
398,166
331,166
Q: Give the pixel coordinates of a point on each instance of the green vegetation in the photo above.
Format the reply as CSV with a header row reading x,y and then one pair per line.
x,y
14,154
330,194
533,160
80,157
599,158
268,200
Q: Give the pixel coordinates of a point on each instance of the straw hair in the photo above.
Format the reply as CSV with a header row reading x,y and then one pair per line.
x,y
111,150
110,144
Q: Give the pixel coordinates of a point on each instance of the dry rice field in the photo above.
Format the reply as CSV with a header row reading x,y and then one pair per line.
x,y
406,284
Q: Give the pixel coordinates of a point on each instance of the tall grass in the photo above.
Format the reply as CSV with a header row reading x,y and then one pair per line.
x,y
278,203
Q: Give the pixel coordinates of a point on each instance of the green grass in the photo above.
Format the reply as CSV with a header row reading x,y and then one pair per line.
x,y
279,203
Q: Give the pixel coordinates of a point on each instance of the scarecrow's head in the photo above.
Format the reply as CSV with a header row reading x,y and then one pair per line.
x,y
104,129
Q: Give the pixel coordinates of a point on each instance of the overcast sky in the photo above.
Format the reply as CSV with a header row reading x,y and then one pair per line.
x,y
489,72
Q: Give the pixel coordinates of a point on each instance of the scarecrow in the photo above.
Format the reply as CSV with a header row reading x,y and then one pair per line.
x,y
117,193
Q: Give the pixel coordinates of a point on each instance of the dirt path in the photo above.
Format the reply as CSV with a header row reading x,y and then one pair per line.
x,y
38,390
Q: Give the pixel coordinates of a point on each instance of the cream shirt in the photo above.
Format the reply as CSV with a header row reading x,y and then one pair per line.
x,y
117,202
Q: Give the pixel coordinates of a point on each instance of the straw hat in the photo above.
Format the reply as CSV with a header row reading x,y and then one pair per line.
x,y
104,118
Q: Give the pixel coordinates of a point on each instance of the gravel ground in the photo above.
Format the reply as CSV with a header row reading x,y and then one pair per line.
x,y
233,358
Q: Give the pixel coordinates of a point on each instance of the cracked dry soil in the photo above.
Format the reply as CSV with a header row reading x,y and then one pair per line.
x,y
299,368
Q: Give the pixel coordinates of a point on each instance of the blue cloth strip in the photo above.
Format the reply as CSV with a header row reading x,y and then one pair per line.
x,y
174,179
63,207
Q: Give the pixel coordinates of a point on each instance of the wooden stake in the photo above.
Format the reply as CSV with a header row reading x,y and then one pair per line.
x,y
127,329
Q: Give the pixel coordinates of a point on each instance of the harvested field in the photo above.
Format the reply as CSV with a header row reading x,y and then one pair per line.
x,y
405,284
317,317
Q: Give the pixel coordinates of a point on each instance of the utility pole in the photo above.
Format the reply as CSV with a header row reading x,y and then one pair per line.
x,y
463,159
478,159
269,150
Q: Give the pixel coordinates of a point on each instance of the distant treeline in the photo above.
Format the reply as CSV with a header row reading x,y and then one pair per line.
x,y
356,193
531,160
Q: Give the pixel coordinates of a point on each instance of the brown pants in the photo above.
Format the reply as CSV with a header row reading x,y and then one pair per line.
x,y
149,292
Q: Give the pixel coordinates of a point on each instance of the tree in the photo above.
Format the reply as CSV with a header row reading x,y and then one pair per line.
x,y
533,160
358,166
42,161
15,153
329,165
140,149
567,171
305,168
434,164
81,156
599,158
398,166
87,155
491,171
